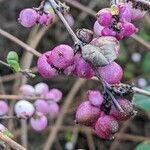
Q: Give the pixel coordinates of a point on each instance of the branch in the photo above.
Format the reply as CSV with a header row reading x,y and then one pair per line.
x,y
10,142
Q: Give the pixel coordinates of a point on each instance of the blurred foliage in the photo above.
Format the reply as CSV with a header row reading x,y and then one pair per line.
x,y
143,146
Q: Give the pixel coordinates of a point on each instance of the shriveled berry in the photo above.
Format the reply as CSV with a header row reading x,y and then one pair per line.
x,y
24,109
61,56
41,106
111,73
104,17
95,98
44,68
106,127
127,106
87,114
41,89
28,17
55,95
3,108
27,90
39,122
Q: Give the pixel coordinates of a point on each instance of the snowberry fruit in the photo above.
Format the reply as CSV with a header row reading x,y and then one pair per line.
x,y
87,114
41,106
98,29
104,17
61,56
41,89
28,17
39,122
24,109
44,68
3,108
69,70
55,95
127,106
27,90
106,127
53,109
45,19
95,98
111,73
108,32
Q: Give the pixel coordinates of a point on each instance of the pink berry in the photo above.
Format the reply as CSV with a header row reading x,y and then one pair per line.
x,y
44,68
3,108
24,109
104,17
27,90
41,89
108,32
82,68
125,13
127,106
61,56
42,106
106,127
39,122
95,98
53,109
98,29
55,95
111,73
87,114
69,70
45,19
28,17
129,29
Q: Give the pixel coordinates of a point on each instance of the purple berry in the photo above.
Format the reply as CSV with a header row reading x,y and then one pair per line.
x,y
24,109
106,127
41,89
87,114
27,90
98,29
95,98
129,29
82,68
45,19
127,106
61,56
28,17
104,17
111,73
44,68
39,122
108,32
55,95
3,108
42,106
53,109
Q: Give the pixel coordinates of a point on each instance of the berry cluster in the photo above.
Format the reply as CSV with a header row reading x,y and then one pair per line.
x,y
116,21
29,17
40,110
101,115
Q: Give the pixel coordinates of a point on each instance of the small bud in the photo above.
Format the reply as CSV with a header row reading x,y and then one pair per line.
x,y
85,35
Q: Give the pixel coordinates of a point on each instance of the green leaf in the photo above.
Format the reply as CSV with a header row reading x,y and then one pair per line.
x,y
8,133
12,55
143,146
142,101
146,65
68,136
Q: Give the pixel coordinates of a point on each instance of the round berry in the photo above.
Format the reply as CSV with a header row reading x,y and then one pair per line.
x,y
108,32
53,109
39,122
55,95
61,56
44,68
127,106
27,90
28,17
95,98
41,89
98,29
45,19
87,114
111,73
3,108
106,126
42,106
24,109
104,17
